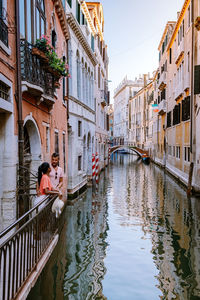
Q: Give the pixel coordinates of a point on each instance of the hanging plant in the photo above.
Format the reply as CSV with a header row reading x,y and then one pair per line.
x,y
56,65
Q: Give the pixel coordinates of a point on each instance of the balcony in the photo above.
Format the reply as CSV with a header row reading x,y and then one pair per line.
x,y
3,32
105,97
162,107
36,79
179,54
162,80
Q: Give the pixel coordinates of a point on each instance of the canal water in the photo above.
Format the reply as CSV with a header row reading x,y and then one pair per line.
x,y
137,238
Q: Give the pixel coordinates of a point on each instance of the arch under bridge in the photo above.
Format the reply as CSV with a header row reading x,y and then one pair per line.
x,y
140,152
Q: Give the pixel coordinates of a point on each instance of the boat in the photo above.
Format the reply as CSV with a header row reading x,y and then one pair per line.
x,y
145,158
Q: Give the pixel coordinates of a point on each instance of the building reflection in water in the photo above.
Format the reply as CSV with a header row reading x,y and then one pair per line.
x,y
151,199
138,197
86,234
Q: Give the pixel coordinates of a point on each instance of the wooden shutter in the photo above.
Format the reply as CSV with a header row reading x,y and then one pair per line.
x,y
197,80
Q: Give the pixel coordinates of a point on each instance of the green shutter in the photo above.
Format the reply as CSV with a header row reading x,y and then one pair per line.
x,y
197,80
69,2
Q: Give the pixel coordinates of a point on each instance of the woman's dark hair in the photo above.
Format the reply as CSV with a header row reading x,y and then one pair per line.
x,y
43,168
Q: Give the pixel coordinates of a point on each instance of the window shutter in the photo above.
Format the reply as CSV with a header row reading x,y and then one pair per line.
x,y
197,80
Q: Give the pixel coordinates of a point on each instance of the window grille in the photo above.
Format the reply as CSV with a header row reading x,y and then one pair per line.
x,y
4,91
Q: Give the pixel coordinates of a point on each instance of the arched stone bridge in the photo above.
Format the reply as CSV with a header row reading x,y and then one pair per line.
x,y
138,151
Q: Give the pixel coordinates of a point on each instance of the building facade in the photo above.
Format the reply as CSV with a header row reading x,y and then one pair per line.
x,y
8,129
33,99
126,90
101,92
82,62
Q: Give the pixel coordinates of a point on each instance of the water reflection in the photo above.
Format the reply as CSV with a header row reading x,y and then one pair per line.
x,y
86,232
157,204
137,237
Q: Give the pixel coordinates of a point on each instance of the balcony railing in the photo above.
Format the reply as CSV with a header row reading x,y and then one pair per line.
x,y
104,97
34,71
23,244
3,32
162,107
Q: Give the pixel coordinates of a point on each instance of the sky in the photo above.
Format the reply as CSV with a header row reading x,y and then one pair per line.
x,y
133,30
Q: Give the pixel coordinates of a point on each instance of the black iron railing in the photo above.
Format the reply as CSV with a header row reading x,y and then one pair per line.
x,y
34,70
22,245
3,32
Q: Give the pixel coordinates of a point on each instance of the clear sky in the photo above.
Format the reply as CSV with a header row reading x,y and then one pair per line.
x,y
133,29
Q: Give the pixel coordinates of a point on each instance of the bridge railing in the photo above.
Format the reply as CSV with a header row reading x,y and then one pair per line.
x,y
22,244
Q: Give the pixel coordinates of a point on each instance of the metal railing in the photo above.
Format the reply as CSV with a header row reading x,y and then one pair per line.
x,y
3,32
33,70
22,245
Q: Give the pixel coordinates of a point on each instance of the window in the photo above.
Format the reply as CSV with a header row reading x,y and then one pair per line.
x,y
177,151
169,119
197,79
170,55
188,16
40,18
176,114
26,19
78,11
186,109
4,91
53,38
174,151
64,153
56,142
170,150
187,154
79,128
70,67
69,2
64,84
47,139
3,26
99,77
78,74
79,162
163,94
83,20
188,59
92,42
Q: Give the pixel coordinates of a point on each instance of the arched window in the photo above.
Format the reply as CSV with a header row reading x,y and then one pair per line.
x,y
86,85
89,88
83,81
78,75
92,92
70,67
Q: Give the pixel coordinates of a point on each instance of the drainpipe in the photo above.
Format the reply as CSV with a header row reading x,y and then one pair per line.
x,y
20,120
189,189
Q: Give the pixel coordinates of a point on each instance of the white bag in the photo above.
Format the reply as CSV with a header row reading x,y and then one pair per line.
x,y
57,207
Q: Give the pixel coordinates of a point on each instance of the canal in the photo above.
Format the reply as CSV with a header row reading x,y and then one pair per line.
x,y
137,237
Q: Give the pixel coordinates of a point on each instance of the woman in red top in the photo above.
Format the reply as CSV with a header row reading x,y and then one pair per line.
x,y
44,183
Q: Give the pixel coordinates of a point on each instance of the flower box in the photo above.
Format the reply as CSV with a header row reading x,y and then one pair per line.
x,y
40,54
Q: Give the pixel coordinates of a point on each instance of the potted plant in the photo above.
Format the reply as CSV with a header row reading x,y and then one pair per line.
x,y
55,65
42,47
